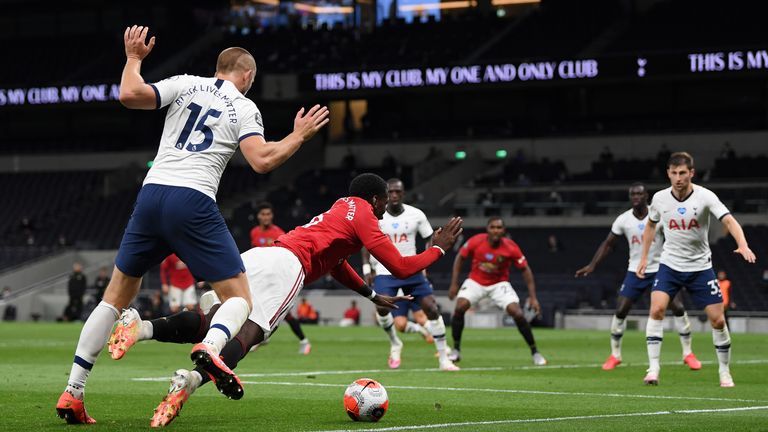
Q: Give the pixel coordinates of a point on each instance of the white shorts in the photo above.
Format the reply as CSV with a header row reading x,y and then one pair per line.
x,y
275,277
178,297
500,293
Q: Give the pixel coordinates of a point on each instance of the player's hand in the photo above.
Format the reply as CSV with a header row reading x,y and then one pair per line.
x,y
308,125
389,303
166,289
641,268
453,291
134,38
747,253
446,236
584,271
533,302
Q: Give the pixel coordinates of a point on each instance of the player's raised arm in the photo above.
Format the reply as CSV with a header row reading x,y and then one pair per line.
x,y
733,227
134,92
603,250
648,234
346,275
264,156
405,267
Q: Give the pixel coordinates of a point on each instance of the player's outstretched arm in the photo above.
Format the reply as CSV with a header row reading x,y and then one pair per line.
x,y
603,250
405,267
134,92
265,156
531,284
346,275
737,232
453,290
648,234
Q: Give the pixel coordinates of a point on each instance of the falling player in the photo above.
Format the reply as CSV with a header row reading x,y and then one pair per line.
x,y
401,223
684,209
262,235
178,283
631,224
176,211
277,274
492,254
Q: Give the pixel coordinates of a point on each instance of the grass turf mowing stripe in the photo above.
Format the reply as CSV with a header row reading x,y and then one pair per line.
x,y
535,392
552,419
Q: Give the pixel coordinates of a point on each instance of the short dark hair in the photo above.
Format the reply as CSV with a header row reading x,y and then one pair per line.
x,y
680,158
638,184
394,180
367,185
494,218
264,205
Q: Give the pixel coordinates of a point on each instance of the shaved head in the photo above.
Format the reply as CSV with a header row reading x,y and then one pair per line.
x,y
235,59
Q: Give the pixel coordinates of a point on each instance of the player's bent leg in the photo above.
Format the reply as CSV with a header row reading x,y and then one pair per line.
x,y
721,338
387,323
437,328
93,337
654,335
457,327
683,327
618,325
418,325
514,310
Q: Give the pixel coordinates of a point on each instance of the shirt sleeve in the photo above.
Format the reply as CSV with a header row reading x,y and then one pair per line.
x,y
654,214
167,90
251,122
366,228
347,276
425,229
400,266
716,207
518,259
617,229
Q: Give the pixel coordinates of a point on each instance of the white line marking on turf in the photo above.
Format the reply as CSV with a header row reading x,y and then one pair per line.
x,y
552,419
488,390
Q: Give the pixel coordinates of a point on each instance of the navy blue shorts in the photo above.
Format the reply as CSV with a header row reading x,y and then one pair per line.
x,y
701,285
417,285
169,219
633,287
405,306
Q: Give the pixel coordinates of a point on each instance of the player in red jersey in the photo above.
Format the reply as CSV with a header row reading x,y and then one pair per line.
x,y
277,274
262,235
178,283
492,254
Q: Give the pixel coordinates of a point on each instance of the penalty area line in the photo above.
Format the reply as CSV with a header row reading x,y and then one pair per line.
x,y
551,419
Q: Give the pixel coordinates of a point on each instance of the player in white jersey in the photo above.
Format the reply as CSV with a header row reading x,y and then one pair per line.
x,y
175,210
631,225
684,210
401,223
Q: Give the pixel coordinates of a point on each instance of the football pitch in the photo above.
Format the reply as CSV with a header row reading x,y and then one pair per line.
x,y
498,388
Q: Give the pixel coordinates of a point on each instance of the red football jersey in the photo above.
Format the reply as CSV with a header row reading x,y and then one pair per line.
x,y
173,271
328,239
265,237
491,265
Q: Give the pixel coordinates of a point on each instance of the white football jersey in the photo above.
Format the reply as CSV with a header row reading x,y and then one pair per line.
x,y
206,120
686,227
402,230
629,226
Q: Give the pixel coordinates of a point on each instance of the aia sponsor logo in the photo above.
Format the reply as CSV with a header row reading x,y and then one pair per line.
x,y
675,224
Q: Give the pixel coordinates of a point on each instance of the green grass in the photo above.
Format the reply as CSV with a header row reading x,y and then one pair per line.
x,y
35,360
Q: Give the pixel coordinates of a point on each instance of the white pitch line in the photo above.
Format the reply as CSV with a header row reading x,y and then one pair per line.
x,y
488,390
478,369
546,420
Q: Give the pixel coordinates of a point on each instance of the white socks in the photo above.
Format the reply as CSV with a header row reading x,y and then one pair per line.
x,y
683,327
412,327
437,328
618,325
388,324
93,338
146,330
722,340
227,322
654,333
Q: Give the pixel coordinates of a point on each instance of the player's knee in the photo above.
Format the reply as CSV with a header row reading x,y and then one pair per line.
x,y
717,322
657,312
